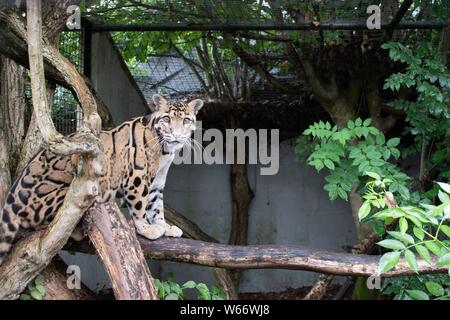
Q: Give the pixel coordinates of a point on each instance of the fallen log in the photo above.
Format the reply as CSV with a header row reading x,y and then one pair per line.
x,y
268,257
274,257
114,239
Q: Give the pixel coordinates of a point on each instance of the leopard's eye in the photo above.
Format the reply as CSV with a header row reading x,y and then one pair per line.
x,y
187,121
166,119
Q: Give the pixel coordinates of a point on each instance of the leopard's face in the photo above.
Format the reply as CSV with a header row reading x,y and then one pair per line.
x,y
174,121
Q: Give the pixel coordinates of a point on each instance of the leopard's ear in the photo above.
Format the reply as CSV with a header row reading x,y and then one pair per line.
x,y
159,102
197,104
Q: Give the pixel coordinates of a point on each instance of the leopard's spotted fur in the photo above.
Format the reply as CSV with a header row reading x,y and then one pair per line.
x,y
136,157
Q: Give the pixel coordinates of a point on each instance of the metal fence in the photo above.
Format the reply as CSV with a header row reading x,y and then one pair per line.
x,y
66,112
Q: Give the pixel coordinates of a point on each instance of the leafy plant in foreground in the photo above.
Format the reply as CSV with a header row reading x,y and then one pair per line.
x,y
170,290
423,287
350,152
35,290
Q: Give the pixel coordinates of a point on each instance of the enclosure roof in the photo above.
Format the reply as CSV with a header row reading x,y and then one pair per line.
x,y
244,15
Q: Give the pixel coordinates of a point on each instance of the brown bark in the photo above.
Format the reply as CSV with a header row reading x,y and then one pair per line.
x,y
274,257
268,257
241,196
320,287
55,284
114,239
12,110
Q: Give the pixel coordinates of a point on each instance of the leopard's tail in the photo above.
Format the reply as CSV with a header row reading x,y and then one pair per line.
x,y
9,226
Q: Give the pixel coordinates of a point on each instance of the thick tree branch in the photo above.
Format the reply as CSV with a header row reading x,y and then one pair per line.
x,y
269,257
115,240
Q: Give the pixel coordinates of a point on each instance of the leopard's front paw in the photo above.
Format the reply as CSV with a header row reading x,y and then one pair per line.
x,y
173,231
151,231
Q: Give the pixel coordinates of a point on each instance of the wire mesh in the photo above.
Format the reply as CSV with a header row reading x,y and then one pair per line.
x,y
168,74
66,111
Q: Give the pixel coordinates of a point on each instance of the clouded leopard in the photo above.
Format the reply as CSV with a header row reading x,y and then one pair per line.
x,y
136,157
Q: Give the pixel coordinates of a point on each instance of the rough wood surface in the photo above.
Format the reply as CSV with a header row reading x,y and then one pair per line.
x,y
268,257
274,257
115,241
55,283
319,289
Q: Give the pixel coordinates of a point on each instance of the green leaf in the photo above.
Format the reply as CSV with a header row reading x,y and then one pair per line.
x,y
419,233
391,244
395,153
443,197
358,122
364,210
444,186
446,230
423,252
403,225
25,296
446,212
350,124
402,236
380,139
392,143
342,194
329,164
404,192
411,259
40,288
418,295
434,288
172,296
39,280
433,247
373,175
444,260
189,285
367,122
388,261
36,295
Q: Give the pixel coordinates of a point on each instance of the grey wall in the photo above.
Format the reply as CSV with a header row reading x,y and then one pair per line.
x,y
113,81
289,208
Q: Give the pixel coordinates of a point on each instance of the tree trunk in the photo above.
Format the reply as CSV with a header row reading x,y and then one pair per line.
x,y
12,113
114,238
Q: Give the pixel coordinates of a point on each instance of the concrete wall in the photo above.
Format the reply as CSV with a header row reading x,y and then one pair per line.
x,y
113,81
289,208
